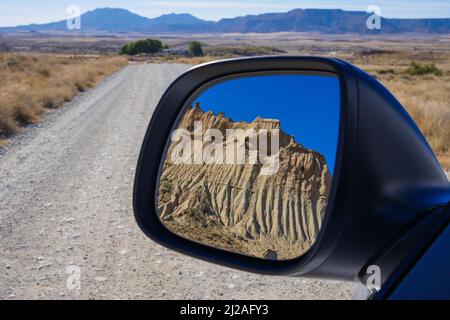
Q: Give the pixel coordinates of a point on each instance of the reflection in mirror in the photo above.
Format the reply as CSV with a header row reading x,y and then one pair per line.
x,y
249,165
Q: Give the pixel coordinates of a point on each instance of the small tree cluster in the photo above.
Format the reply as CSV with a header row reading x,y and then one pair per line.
x,y
195,49
142,46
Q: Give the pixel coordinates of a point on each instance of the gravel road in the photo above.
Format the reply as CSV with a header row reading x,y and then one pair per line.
x,y
65,206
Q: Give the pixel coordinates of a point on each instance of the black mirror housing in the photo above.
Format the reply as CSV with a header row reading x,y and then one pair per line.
x,y
386,180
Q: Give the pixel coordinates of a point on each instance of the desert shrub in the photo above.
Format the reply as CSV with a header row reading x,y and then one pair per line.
x,y
195,49
420,69
142,46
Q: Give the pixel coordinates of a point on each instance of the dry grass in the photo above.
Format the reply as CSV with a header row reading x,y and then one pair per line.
x,y
31,84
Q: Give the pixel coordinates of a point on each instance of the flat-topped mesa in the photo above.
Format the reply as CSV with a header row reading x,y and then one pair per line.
x,y
236,207
263,123
221,122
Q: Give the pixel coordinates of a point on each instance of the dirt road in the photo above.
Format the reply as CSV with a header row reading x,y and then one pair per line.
x,y
65,209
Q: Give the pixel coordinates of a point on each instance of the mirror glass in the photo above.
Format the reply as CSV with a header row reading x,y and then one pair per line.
x,y
249,165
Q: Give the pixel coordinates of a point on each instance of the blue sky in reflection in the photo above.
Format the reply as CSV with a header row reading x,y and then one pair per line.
x,y
308,106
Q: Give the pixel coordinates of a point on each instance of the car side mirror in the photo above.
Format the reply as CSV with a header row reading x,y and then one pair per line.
x,y
284,166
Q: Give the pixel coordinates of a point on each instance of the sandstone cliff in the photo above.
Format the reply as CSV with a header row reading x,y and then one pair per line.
x,y
235,207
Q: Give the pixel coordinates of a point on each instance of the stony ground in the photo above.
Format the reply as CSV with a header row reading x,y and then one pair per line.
x,y
65,206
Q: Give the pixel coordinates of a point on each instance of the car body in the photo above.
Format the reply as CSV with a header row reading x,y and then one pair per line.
x,y
387,213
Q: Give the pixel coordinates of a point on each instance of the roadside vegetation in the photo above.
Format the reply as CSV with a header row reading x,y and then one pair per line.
x,y
195,49
421,69
155,47
32,84
149,46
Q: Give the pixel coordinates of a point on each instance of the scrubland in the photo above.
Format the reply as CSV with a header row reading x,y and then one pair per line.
x,y
32,84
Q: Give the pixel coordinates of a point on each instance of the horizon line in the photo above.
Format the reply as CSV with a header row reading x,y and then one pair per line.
x,y
247,15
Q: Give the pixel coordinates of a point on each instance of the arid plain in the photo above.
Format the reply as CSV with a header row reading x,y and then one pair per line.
x,y
67,173
425,93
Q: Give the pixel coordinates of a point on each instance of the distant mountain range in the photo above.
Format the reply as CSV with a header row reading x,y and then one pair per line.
x,y
330,21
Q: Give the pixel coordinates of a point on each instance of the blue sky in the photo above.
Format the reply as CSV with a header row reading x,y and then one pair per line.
x,y
308,106
14,12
